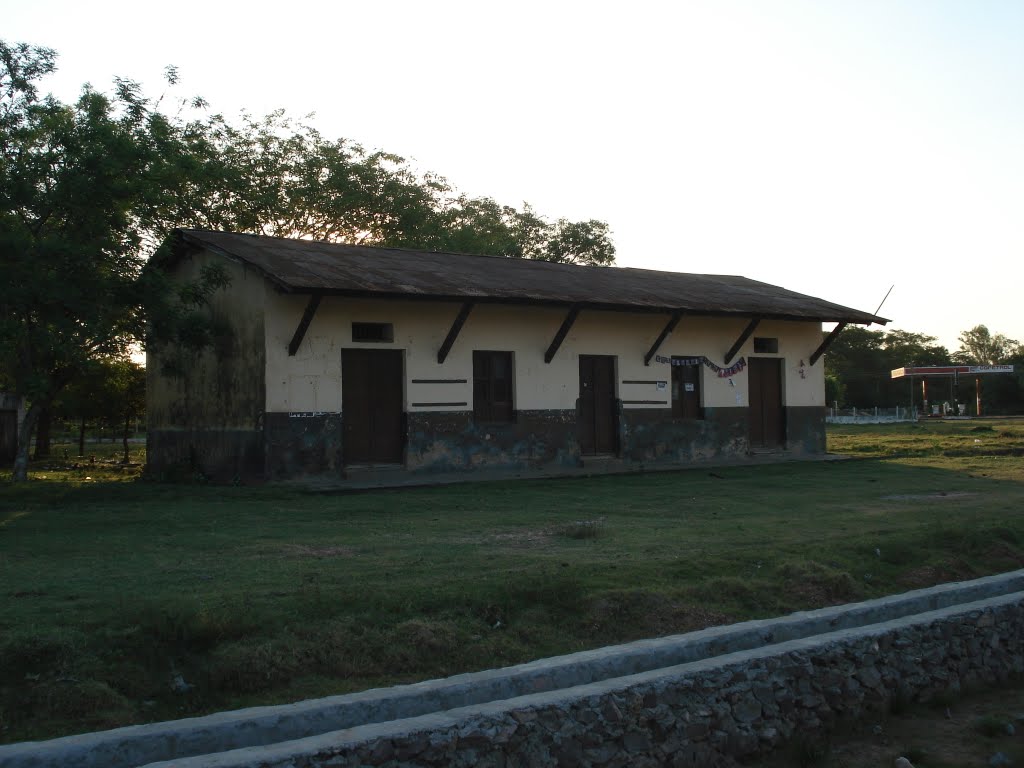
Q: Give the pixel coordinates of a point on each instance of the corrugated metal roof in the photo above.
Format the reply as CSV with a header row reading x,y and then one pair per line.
x,y
306,266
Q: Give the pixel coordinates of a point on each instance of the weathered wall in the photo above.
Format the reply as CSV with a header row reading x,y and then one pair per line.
x,y
451,441
206,413
311,380
247,408
805,429
652,436
442,437
704,713
12,411
803,384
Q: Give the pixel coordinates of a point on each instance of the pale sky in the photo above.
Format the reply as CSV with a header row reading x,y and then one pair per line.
x,y
833,148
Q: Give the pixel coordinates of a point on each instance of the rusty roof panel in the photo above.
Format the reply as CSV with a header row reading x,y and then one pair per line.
x,y
304,266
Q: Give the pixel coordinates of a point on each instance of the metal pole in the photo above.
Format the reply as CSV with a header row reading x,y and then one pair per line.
x,y
913,413
977,390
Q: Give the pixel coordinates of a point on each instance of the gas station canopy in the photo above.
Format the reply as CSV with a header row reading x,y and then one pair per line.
x,y
950,370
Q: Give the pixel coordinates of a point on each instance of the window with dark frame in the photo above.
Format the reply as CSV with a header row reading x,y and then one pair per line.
x,y
766,345
373,332
686,391
492,386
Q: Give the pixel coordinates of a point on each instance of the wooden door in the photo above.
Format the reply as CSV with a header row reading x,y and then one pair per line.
x,y
598,411
371,406
686,392
767,424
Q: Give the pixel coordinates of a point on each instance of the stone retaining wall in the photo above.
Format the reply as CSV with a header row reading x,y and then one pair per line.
x,y
704,713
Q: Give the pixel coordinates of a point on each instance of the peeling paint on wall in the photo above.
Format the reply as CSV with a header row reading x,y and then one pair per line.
x,y
652,436
805,429
303,445
451,441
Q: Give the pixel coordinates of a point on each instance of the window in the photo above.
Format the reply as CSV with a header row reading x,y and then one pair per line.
x,y
686,390
766,346
492,386
370,332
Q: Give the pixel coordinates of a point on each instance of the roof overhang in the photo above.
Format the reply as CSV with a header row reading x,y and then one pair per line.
x,y
185,242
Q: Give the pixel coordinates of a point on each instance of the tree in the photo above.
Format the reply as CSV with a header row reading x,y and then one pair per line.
x,y
979,347
83,400
80,187
89,190
127,386
273,176
862,361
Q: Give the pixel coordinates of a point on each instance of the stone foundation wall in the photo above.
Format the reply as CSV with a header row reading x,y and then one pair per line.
x,y
654,436
547,440
805,429
705,713
219,454
450,441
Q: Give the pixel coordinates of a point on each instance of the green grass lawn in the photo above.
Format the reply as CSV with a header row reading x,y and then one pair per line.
x,y
111,588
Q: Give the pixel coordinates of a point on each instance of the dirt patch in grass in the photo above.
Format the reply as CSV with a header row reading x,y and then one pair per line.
x,y
582,529
930,575
817,585
306,550
637,614
515,539
1004,552
936,496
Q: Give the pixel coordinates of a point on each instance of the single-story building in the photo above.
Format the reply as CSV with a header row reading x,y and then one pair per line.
x,y
337,361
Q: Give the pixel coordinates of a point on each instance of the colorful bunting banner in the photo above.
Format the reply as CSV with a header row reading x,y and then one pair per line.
x,y
723,373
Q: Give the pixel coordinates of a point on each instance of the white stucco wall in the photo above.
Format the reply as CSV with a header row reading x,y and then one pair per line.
x,y
311,380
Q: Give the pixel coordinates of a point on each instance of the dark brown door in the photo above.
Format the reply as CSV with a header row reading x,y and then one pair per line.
x,y
598,411
371,406
8,436
686,391
767,427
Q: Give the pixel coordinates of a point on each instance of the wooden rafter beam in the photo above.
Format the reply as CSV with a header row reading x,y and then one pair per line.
x,y
827,342
742,339
669,327
453,332
307,318
562,332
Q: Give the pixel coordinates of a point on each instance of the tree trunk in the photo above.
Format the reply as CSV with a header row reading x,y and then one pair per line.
x,y
43,433
28,425
81,438
127,428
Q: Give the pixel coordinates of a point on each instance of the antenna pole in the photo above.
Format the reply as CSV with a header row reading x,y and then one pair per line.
x,y
885,297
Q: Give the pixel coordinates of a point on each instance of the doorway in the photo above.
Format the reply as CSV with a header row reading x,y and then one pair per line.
x,y
767,422
598,411
371,406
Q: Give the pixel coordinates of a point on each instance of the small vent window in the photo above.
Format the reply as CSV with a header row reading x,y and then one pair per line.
x,y
766,346
369,332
